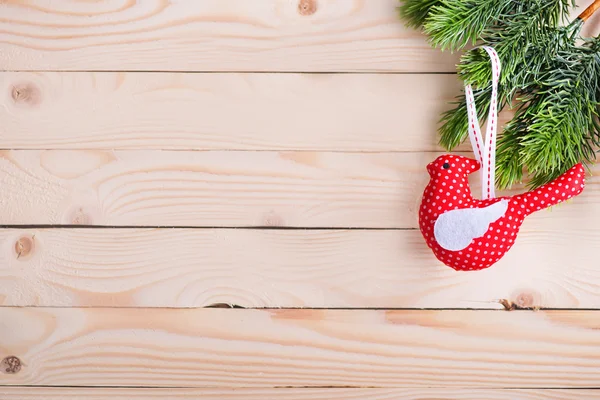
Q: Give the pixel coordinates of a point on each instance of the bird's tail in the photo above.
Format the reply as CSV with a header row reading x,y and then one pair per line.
x,y
566,186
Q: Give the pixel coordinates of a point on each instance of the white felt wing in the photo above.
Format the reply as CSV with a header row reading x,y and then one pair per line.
x,y
455,230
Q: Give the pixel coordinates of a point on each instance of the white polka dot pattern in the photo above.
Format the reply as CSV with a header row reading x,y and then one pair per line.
x,y
448,189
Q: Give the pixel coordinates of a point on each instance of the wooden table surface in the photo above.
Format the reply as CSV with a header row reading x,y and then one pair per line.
x,y
216,199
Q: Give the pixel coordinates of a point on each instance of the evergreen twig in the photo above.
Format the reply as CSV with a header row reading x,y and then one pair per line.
x,y
554,82
415,12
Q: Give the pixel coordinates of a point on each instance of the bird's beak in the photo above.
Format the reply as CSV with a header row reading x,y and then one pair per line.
x,y
429,168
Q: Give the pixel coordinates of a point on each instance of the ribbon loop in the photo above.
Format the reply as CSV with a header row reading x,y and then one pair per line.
x,y
485,152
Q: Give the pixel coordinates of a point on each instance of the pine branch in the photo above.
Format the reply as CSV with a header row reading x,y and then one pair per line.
x,y
562,115
523,61
524,42
554,81
455,24
509,167
415,12
529,19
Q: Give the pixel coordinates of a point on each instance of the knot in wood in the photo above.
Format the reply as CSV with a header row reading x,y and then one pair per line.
x,y
11,365
24,247
525,300
307,7
26,93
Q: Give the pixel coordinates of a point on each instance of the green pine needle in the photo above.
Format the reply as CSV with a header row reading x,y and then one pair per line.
x,y
509,168
455,24
562,115
415,12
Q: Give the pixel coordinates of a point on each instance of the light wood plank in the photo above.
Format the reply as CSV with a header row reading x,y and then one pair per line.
x,y
257,348
366,112
213,35
273,268
217,35
35,393
204,189
154,188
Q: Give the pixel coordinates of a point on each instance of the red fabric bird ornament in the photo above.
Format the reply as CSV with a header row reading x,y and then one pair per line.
x,y
469,234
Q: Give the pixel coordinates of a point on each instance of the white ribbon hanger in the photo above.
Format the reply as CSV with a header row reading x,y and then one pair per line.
x,y
485,152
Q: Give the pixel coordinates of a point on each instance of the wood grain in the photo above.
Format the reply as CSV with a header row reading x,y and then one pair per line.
x,y
291,268
35,393
257,348
213,35
233,189
154,188
217,35
337,112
